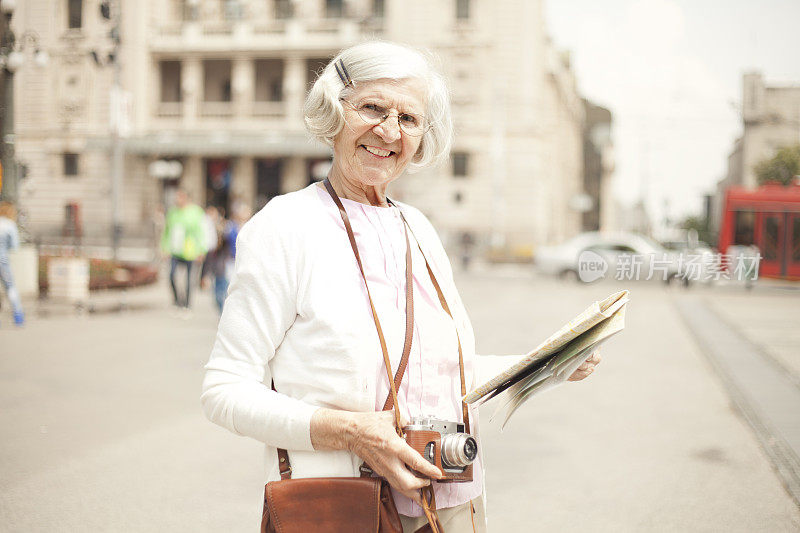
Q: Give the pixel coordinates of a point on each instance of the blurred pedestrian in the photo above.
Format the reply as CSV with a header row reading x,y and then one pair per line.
x,y
218,264
240,213
184,239
467,242
213,217
9,240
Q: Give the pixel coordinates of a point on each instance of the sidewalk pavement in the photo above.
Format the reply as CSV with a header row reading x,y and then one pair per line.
x,y
103,430
769,319
752,342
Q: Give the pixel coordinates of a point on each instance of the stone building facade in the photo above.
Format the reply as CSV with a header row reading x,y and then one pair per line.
x,y
218,85
598,166
770,121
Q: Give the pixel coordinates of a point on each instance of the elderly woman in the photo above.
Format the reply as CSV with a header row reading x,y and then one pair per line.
x,y
297,363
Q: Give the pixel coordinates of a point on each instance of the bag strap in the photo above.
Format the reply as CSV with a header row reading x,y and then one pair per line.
x,y
391,401
443,302
401,367
284,464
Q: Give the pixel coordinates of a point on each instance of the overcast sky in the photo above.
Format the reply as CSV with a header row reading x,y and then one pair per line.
x,y
670,71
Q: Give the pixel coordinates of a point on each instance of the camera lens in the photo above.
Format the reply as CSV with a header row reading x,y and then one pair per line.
x,y
458,450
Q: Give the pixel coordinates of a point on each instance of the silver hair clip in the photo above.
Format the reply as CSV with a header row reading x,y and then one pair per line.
x,y
343,74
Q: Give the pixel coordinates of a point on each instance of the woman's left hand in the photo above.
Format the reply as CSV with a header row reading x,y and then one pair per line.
x,y
587,367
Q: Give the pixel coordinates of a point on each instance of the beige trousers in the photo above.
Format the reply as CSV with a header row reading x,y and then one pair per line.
x,y
454,519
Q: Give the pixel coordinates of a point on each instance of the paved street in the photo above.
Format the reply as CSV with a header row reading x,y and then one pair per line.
x,y
102,429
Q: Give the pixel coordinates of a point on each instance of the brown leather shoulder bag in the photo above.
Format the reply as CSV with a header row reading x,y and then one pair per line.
x,y
353,504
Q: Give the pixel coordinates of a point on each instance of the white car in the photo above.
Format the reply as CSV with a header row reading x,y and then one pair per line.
x,y
594,255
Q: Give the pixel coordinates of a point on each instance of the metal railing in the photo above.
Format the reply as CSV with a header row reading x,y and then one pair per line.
x,y
170,30
269,109
324,26
217,28
274,28
216,109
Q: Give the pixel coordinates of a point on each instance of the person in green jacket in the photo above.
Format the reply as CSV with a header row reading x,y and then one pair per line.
x,y
184,239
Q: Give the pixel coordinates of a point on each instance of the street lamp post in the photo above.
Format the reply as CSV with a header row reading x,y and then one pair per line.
x,y
9,190
12,58
117,154
111,10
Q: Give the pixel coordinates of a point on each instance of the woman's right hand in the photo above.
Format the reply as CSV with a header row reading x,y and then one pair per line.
x,y
372,437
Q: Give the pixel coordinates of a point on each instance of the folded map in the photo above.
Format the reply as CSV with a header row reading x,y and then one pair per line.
x,y
553,361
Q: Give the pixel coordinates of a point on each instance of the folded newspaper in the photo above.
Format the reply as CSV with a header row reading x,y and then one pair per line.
x,y
553,361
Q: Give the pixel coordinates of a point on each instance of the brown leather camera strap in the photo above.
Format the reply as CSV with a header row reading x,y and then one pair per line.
x,y
394,383
398,378
401,367
284,464
392,398
443,302
426,493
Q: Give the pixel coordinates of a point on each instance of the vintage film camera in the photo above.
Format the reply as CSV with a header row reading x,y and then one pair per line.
x,y
445,445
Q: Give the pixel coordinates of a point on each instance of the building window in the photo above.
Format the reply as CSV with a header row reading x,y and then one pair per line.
x,y
190,10
74,9
769,237
460,164
378,8
217,80
795,245
70,164
268,180
744,225
283,9
72,220
219,173
269,80
458,198
233,10
462,9
170,81
334,8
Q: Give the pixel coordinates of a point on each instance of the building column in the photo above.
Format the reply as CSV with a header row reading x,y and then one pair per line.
x,y
243,182
192,88
294,175
243,86
194,179
294,90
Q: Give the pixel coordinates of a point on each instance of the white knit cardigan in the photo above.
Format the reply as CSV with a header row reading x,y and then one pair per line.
x,y
288,318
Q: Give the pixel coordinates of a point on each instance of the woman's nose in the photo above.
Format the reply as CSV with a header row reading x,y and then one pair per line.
x,y
389,129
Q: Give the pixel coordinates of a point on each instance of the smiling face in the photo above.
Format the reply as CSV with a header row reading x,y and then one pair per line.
x,y
374,155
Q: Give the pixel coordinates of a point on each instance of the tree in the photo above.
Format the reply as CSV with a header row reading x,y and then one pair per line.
x,y
700,225
783,167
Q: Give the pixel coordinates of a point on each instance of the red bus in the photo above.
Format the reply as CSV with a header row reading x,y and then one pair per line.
x,y
769,218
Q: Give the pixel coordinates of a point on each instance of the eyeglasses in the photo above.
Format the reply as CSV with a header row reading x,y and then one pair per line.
x,y
374,113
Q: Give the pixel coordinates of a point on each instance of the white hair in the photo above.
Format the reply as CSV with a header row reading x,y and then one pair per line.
x,y
373,60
